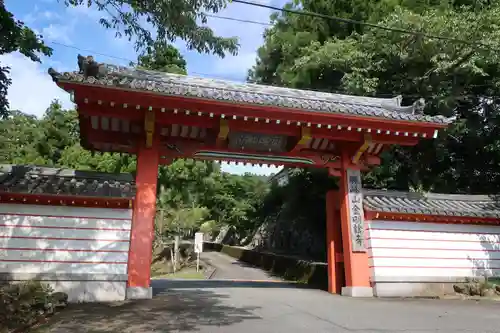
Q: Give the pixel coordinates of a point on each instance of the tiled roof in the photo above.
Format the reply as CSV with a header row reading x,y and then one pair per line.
x,y
431,203
45,180
227,91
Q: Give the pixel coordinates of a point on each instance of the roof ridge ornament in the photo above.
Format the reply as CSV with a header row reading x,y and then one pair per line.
x,y
89,67
417,108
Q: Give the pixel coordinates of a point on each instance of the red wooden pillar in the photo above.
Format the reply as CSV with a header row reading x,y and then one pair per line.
x,y
142,233
357,272
334,244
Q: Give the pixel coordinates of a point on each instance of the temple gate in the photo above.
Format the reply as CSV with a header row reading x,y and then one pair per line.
x,y
161,117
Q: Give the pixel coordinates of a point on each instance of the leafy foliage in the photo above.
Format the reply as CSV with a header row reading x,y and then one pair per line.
x,y
163,58
456,79
162,21
15,36
194,193
21,304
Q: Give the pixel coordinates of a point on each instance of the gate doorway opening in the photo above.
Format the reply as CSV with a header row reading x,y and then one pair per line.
x,y
161,117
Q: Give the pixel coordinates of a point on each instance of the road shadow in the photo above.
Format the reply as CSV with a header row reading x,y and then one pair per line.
x,y
173,311
165,285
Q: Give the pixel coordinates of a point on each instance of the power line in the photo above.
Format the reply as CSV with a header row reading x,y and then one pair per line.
x,y
225,78
120,58
373,25
237,19
89,51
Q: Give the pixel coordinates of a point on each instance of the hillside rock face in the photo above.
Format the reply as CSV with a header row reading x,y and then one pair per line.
x,y
281,234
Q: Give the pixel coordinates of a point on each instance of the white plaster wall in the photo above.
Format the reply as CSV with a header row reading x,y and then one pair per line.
x,y
409,258
73,242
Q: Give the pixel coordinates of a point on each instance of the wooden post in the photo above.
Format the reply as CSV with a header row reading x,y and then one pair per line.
x,y
357,272
142,232
334,243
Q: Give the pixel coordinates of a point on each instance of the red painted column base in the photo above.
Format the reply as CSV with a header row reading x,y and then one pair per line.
x,y
357,271
334,244
142,232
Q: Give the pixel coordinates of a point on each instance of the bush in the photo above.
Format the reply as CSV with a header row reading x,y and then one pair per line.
x,y
22,304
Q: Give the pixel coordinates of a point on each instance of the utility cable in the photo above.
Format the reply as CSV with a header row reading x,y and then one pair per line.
x,y
225,78
373,25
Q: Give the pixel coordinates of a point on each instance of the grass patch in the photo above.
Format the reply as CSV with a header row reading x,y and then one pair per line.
x,y
183,274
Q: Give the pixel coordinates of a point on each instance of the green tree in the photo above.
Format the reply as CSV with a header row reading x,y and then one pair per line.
x,y
454,78
163,58
155,22
19,132
15,36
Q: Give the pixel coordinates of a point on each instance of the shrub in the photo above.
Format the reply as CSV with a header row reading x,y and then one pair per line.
x,y
22,304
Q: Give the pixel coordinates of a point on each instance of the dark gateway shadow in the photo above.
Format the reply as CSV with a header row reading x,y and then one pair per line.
x,y
175,311
165,285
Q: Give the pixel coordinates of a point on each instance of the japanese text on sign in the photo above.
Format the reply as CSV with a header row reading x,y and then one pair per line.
x,y
356,219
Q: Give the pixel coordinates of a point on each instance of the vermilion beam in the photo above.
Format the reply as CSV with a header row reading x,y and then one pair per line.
x,y
240,125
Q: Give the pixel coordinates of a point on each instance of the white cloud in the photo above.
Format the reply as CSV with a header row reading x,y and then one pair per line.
x,y
240,169
58,33
32,89
85,11
49,15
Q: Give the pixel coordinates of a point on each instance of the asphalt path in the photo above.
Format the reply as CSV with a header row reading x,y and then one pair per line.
x,y
243,299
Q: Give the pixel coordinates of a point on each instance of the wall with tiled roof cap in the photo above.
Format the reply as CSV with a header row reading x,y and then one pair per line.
x,y
81,251
426,256
46,180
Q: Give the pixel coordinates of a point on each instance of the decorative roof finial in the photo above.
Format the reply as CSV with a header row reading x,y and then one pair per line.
x,y
89,67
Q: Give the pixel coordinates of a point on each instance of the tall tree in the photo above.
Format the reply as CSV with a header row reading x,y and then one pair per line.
x,y
163,58
151,24
169,20
455,79
15,36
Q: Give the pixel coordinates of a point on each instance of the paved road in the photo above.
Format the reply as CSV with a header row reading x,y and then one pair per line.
x,y
229,268
266,304
232,305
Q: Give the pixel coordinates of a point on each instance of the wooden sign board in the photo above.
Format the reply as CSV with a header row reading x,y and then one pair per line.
x,y
356,215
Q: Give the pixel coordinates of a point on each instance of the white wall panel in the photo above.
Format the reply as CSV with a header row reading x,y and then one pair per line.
x,y
65,233
52,267
402,243
63,222
421,249
33,243
65,256
427,274
70,240
37,210
432,235
434,253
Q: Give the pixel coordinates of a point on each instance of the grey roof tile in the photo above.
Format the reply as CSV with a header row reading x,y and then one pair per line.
x,y
431,203
189,86
46,180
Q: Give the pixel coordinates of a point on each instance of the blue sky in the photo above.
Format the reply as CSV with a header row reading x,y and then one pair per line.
x,y
78,29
